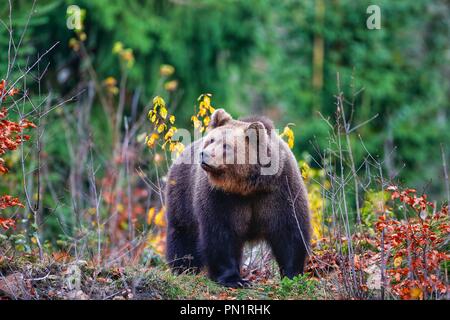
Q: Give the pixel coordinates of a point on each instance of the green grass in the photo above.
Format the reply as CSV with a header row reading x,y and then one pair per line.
x,y
51,281
201,287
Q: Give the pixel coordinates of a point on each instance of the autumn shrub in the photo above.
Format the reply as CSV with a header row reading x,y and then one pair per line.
x,y
11,137
415,248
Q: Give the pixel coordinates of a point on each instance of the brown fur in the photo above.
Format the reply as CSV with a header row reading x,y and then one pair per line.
x,y
214,208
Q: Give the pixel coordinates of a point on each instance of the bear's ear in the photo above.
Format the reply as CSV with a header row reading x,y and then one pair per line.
x,y
219,118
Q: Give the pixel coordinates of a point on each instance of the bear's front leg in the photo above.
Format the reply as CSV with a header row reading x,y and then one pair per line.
x,y
182,249
221,248
222,253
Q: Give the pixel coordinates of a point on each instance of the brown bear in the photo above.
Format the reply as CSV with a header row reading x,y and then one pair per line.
x,y
215,206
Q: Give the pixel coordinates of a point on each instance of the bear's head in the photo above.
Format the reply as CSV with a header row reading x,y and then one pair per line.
x,y
234,151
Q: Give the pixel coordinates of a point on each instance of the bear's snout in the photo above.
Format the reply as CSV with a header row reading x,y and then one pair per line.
x,y
204,157
205,161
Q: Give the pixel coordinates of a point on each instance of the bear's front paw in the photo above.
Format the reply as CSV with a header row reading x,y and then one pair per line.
x,y
238,283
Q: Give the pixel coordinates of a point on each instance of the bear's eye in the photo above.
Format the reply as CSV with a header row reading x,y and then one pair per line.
x,y
212,140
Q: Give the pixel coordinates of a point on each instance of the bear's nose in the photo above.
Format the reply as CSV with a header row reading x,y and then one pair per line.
x,y
204,157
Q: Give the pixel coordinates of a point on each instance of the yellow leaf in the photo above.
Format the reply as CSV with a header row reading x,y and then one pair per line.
x,y
150,215
113,90
291,143
74,44
127,55
82,36
158,101
172,119
110,81
416,293
157,242
176,147
152,140
168,135
159,219
398,262
202,111
305,169
289,134
163,112
118,47
171,85
161,127
166,70
180,147
197,123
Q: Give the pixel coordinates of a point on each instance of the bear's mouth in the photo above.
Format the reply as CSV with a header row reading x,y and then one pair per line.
x,y
209,168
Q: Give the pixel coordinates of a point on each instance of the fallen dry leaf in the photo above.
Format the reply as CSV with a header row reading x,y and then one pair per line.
x,y
13,286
